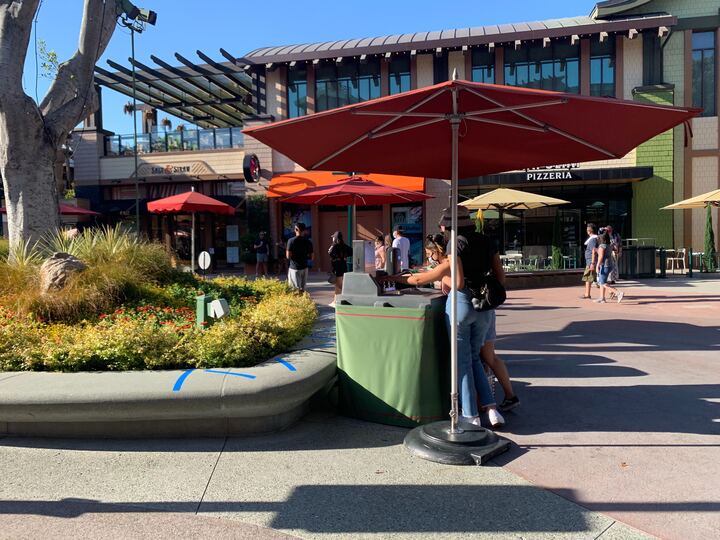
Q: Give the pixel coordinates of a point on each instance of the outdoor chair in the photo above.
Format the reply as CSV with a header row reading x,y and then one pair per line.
x,y
677,260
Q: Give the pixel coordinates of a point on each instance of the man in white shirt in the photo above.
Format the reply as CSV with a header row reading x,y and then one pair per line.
x,y
403,245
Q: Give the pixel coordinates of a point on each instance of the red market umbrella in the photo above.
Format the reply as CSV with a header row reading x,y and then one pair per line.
x,y
68,210
355,191
459,129
190,202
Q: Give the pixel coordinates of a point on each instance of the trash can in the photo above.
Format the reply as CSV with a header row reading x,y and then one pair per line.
x,y
637,262
392,353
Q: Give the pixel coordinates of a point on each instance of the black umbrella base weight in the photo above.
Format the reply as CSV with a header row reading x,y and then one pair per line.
x,y
474,446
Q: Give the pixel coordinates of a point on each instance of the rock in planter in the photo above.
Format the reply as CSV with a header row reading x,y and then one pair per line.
x,y
55,271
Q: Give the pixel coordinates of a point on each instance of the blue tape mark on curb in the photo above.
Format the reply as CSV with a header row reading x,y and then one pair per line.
x,y
181,380
287,364
245,375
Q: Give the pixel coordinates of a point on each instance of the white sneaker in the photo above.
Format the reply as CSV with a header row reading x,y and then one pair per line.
x,y
474,420
620,296
496,419
600,301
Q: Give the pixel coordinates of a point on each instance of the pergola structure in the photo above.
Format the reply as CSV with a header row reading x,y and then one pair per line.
x,y
210,94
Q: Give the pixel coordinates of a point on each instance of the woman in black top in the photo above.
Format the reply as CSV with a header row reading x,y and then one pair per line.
x,y
339,251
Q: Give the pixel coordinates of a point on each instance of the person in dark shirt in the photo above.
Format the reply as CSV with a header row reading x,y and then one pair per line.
x,y
261,255
590,274
477,256
339,251
299,251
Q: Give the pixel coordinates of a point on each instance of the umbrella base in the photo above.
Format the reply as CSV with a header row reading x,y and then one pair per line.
x,y
474,446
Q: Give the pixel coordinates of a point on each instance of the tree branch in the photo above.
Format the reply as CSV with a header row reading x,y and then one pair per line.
x,y
15,28
69,99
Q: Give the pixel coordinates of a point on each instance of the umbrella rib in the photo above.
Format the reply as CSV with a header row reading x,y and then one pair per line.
x,y
515,107
406,128
548,127
375,130
507,124
399,114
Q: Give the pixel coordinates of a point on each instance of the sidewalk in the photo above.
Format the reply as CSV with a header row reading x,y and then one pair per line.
x,y
618,424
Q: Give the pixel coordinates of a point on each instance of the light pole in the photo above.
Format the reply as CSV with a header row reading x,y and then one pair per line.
x,y
134,19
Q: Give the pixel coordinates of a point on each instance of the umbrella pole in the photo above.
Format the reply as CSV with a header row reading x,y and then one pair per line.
x,y
455,127
192,244
354,222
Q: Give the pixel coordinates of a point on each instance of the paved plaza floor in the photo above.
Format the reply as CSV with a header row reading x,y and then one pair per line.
x,y
618,433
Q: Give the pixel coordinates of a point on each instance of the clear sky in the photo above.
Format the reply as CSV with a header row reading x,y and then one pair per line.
x,y
185,26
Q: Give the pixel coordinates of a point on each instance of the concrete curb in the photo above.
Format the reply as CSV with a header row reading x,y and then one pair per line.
x,y
213,402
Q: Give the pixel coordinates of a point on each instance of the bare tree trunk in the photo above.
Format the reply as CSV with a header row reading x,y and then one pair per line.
x,y
31,135
27,159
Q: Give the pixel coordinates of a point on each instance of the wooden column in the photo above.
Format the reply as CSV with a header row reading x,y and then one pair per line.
x,y
310,88
413,71
384,77
620,67
688,162
499,65
585,67
468,64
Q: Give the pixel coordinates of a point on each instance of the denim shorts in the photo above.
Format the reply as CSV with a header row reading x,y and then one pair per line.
x,y
603,275
491,333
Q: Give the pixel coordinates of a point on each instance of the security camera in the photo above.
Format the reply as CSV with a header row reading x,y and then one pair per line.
x,y
147,16
133,12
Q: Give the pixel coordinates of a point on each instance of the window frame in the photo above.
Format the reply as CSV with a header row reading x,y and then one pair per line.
x,y
712,110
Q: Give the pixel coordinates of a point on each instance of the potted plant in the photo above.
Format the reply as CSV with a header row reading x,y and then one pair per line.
x,y
166,123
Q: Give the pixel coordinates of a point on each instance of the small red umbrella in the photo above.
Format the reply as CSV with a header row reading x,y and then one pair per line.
x,y
68,210
460,129
355,191
190,202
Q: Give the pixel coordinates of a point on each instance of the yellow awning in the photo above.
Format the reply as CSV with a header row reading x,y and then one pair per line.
x,y
700,201
511,199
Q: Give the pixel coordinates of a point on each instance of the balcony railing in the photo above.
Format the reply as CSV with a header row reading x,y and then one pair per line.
x,y
175,141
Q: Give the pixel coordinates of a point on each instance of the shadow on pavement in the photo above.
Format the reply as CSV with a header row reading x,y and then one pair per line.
x,y
616,335
379,508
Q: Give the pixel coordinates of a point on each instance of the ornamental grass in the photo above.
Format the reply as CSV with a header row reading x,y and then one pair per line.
x,y
132,310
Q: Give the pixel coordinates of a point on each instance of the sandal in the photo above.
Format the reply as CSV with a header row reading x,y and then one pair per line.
x,y
585,297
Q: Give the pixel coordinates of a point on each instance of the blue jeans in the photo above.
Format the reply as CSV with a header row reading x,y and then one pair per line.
x,y
473,329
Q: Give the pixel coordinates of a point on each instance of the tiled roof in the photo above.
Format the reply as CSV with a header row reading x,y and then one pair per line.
x,y
458,37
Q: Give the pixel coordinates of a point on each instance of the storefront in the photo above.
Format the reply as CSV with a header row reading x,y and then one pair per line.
x,y
603,196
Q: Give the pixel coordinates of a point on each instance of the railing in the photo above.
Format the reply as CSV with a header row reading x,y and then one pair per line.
x,y
185,140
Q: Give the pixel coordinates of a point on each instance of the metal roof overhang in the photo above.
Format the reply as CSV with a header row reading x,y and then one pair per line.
x,y
559,176
211,94
456,38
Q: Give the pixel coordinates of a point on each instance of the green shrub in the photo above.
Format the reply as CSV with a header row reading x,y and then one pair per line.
x,y
4,249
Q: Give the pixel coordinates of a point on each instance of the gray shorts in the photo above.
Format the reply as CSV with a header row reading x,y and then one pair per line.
x,y
297,279
262,257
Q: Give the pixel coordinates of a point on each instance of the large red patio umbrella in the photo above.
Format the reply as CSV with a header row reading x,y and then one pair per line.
x,y
190,202
355,191
459,129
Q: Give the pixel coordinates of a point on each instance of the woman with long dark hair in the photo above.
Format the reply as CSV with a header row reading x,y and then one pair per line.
x,y
339,251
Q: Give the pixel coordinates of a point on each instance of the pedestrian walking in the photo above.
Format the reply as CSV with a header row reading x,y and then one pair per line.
x,y
339,251
605,265
262,250
616,242
299,252
590,274
403,245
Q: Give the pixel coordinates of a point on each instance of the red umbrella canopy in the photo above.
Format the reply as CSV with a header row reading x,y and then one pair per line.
x,y
68,210
356,191
189,202
501,128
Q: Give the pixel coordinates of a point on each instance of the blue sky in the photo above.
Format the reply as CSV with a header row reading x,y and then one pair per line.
x,y
187,25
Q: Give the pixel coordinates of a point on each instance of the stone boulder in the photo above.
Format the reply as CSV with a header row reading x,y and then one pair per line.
x,y
55,271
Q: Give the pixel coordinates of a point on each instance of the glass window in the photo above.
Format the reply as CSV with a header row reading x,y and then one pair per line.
x,y
238,138
602,68
222,138
174,143
483,66
297,91
399,72
158,142
346,83
556,67
703,72
190,139
207,139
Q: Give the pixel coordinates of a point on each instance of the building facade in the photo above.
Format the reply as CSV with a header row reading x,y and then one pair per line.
x,y
652,51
